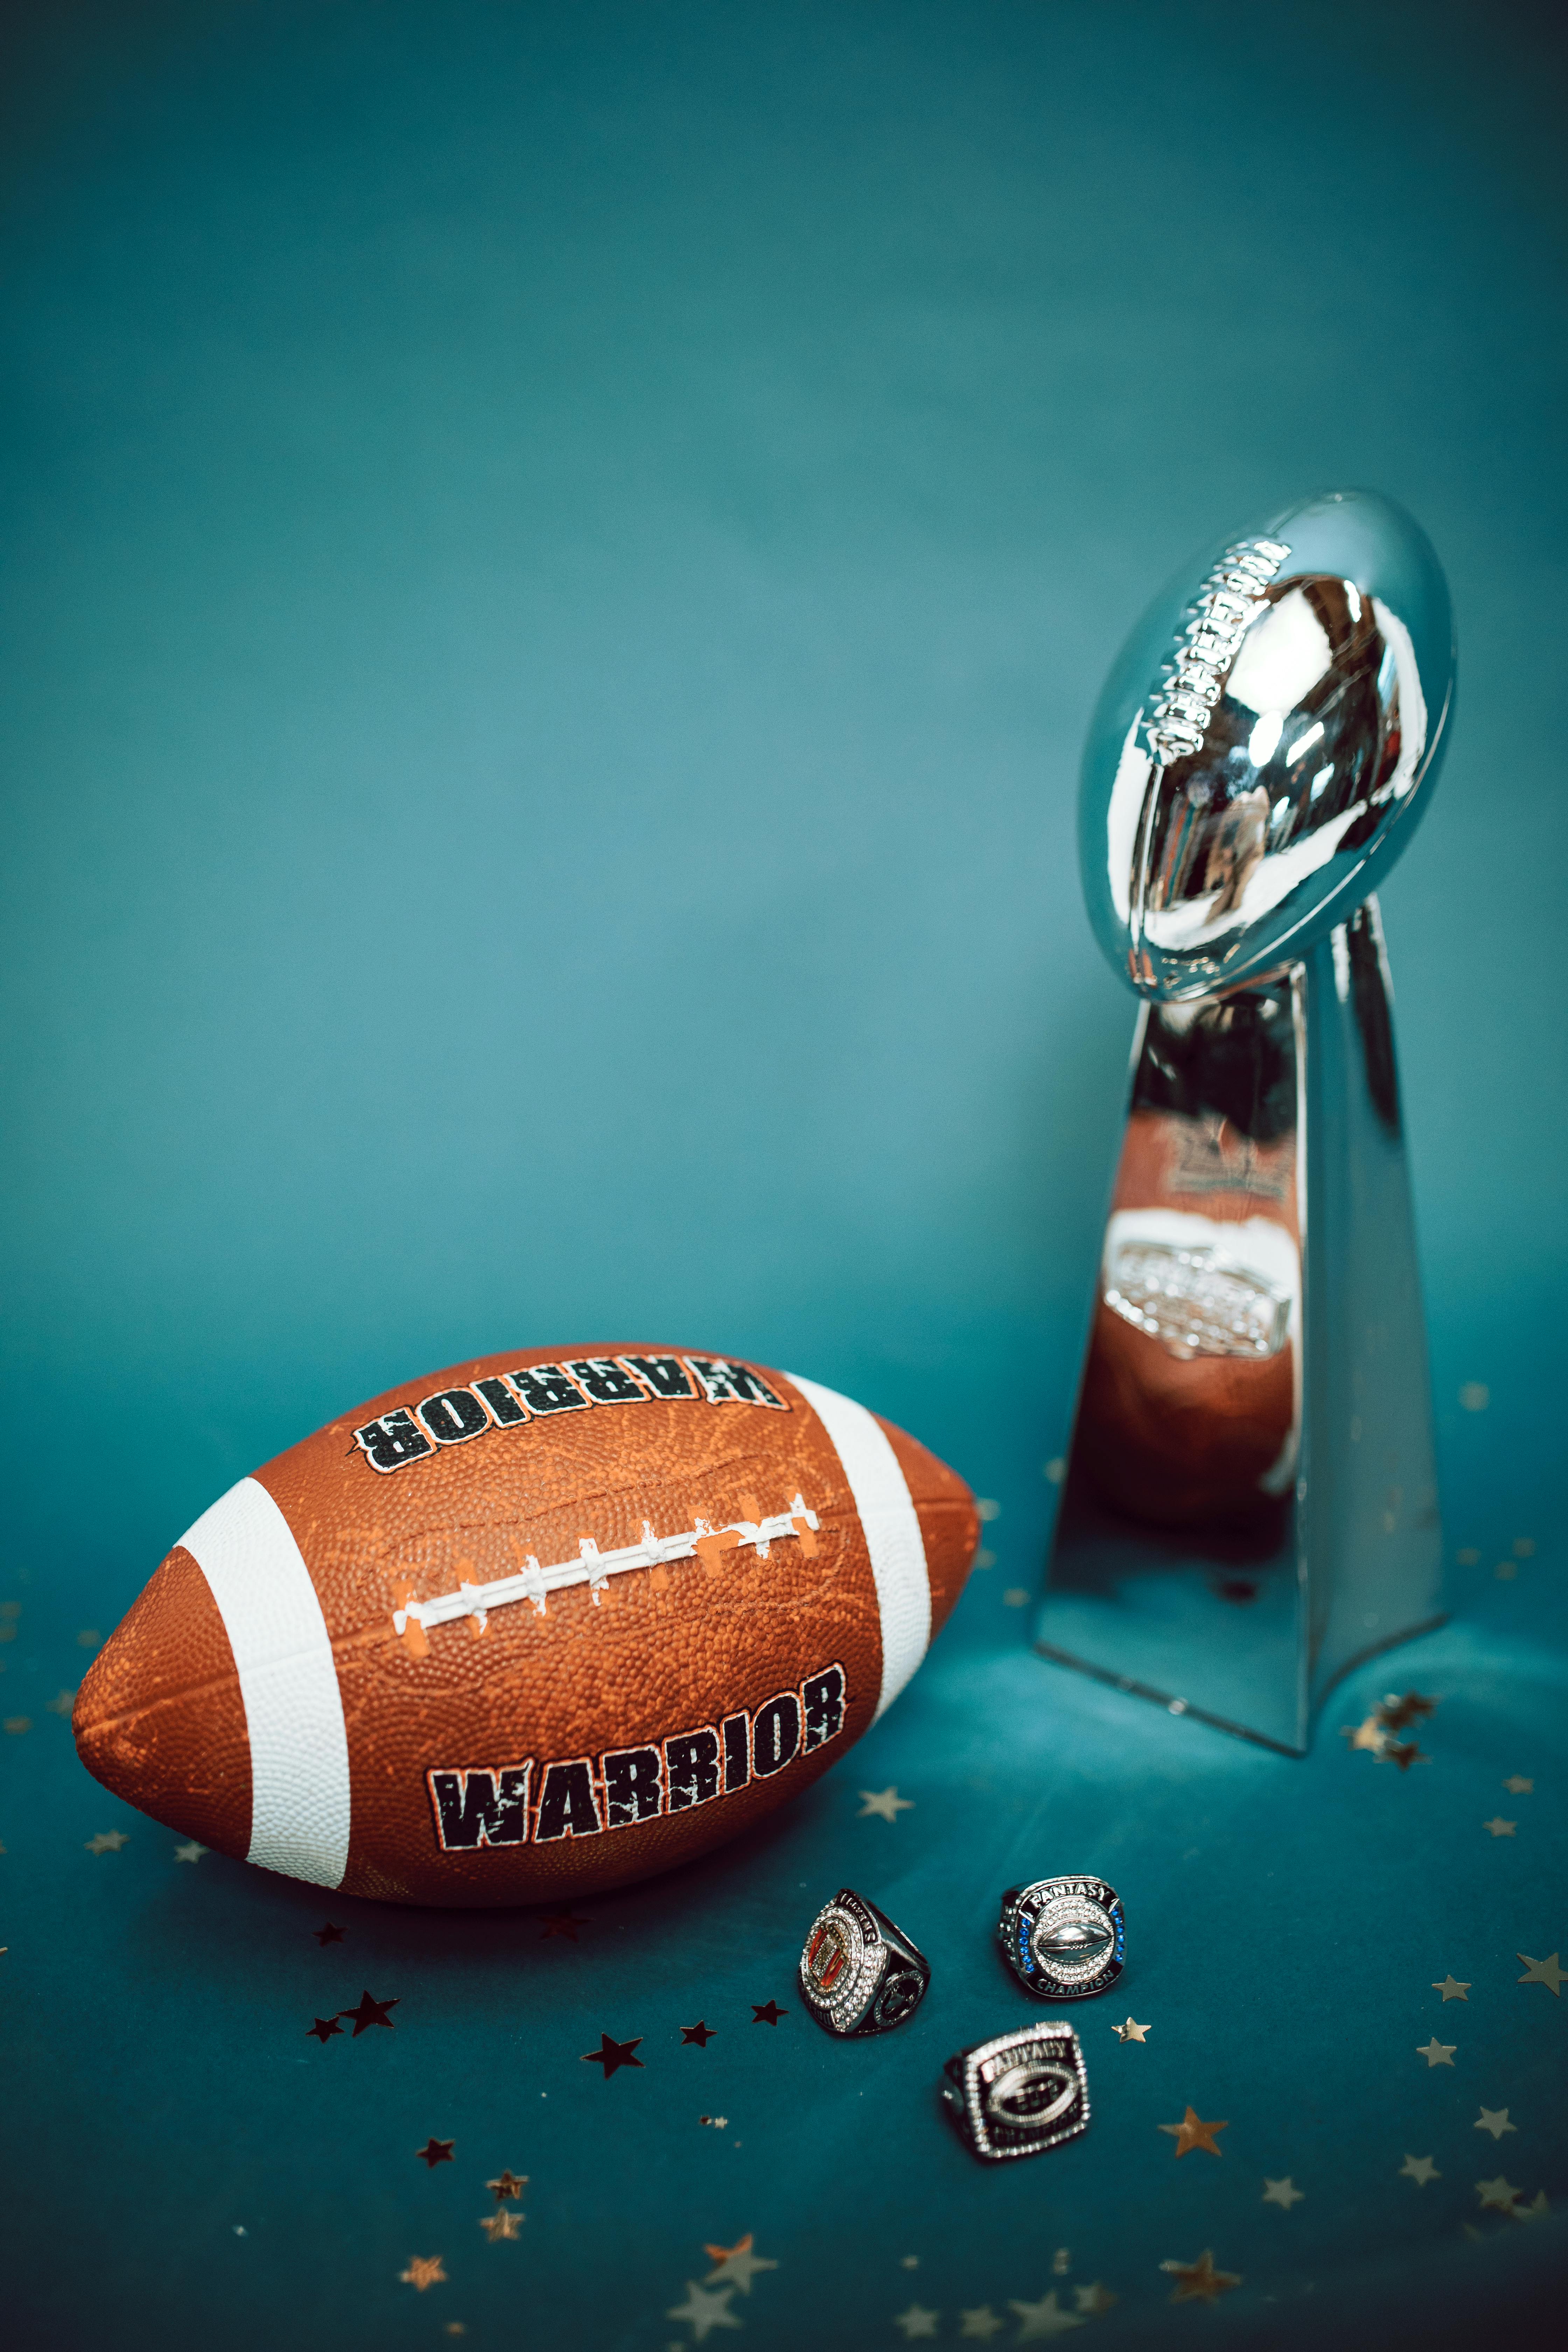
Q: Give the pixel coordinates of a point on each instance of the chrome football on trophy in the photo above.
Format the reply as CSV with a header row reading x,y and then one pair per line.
x,y
1249,1504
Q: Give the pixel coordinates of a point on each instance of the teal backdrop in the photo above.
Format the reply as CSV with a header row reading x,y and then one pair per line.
x,y
555,561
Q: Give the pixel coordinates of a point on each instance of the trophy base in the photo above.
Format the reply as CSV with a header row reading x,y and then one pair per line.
x,y
1180,1618
1250,1507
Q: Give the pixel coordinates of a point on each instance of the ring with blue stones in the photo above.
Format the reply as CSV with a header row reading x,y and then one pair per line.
x,y
1063,1938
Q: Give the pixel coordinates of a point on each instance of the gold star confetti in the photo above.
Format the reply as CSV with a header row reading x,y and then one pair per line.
x,y
1199,2282
983,1559
107,1842
1494,2120
1016,1597
1475,1396
1095,2300
1517,1786
1452,1989
1368,1733
886,1804
61,1703
704,2310
736,2264
502,2223
510,2184
90,1638
1042,2320
1129,2032
1419,2168
1500,1827
988,1509
190,1852
1284,2192
982,2322
1500,2193
1436,2053
1505,1570
424,2270
1192,2132
1535,2210
17,1723
1468,1557
1524,1546
1546,1972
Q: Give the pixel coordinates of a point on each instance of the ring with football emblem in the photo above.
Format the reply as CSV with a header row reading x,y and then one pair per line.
x,y
858,1973
1063,1938
1019,2094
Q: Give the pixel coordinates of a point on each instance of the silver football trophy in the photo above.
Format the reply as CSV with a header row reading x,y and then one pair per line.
x,y
1249,1504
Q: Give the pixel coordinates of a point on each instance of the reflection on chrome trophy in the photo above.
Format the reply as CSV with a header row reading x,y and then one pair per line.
x,y
1249,1504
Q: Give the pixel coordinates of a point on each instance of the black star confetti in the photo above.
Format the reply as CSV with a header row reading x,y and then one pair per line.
x,y
560,1923
324,2028
768,2014
369,2012
611,2054
328,1935
1398,1714
436,2151
1392,1714
699,2034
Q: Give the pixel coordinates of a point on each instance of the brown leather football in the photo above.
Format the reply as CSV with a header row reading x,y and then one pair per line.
x,y
535,1625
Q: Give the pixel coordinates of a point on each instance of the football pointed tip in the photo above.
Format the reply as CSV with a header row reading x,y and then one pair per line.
x,y
159,1719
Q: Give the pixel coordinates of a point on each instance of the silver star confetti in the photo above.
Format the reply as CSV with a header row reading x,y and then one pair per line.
x,y
703,2310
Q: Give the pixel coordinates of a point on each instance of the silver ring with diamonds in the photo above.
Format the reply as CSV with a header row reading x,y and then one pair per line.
x,y
1063,1938
1019,2094
858,1973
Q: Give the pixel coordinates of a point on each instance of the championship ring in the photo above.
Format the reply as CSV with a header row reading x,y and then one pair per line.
x,y
1063,1937
1020,2093
857,1973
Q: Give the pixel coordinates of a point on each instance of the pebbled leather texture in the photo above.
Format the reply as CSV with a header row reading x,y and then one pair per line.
x,y
660,1652
159,1719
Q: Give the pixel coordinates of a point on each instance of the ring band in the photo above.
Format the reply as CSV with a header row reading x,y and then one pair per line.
x,y
1064,1938
1019,2094
858,1973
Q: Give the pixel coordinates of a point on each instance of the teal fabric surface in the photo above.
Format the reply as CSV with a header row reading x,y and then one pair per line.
x,y
555,563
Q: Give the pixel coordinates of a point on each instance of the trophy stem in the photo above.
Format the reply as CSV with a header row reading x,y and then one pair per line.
x,y
1250,1503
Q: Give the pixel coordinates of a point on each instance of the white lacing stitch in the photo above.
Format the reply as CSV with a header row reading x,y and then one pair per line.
x,y
412,1619
1229,598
